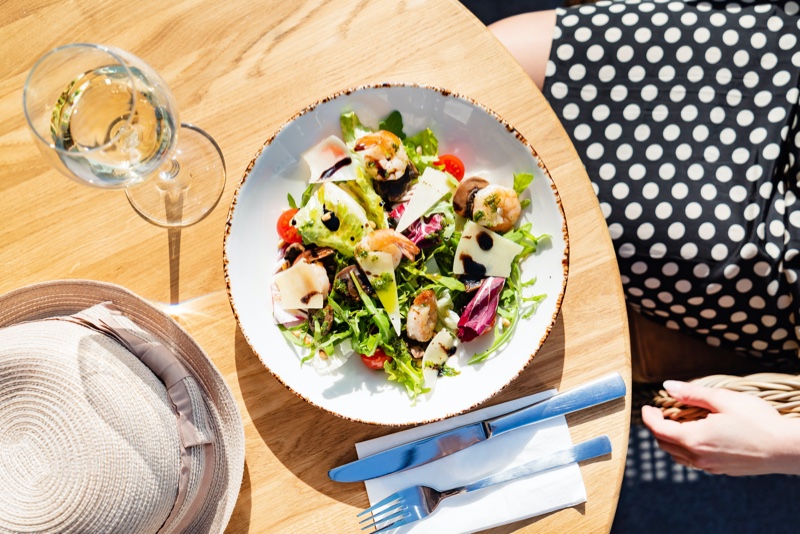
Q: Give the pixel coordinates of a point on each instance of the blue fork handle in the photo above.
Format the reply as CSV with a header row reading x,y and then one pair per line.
x,y
585,450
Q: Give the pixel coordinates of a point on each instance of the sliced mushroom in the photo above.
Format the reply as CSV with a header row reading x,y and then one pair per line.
x,y
292,252
325,256
349,286
313,255
471,284
417,350
465,195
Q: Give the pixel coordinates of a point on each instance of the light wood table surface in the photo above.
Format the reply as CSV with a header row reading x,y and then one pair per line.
x,y
240,70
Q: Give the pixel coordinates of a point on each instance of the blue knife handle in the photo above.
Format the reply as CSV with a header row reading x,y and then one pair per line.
x,y
602,390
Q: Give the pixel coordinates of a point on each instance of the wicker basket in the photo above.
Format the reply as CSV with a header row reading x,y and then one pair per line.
x,y
781,390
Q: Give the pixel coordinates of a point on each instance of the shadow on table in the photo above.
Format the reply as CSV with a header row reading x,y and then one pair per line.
x,y
306,439
310,441
244,504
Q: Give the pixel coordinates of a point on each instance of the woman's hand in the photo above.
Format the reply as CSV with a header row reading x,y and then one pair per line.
x,y
743,435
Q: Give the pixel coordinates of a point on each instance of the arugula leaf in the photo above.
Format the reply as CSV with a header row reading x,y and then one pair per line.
x,y
292,203
290,334
307,195
447,282
403,369
522,181
393,123
452,284
524,237
379,316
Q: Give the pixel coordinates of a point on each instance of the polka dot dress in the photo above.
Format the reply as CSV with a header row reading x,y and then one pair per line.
x,y
686,117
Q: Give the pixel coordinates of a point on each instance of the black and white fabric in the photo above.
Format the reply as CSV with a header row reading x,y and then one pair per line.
x,y
686,117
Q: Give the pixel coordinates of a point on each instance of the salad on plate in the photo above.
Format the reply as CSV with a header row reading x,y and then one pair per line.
x,y
402,256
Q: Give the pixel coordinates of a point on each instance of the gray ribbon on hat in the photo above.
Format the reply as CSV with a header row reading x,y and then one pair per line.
x,y
170,370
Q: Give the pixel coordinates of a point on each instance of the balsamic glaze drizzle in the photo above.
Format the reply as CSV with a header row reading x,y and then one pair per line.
x,y
336,166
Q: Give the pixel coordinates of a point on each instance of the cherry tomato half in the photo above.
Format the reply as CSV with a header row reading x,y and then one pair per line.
x,y
285,229
451,164
377,360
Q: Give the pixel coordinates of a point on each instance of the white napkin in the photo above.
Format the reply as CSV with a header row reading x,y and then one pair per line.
x,y
470,512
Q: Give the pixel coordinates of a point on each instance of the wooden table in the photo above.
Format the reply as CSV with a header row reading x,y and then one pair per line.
x,y
239,70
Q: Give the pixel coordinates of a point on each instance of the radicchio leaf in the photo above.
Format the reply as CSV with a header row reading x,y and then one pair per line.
x,y
478,316
422,229
397,212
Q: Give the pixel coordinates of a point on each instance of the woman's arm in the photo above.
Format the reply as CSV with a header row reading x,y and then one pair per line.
x,y
528,37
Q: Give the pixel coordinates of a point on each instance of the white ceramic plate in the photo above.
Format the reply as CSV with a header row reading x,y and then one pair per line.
x,y
486,144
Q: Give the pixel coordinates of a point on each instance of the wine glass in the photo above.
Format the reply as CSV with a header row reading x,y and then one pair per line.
x,y
105,118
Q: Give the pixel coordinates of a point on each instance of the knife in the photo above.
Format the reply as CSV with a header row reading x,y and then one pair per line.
x,y
428,449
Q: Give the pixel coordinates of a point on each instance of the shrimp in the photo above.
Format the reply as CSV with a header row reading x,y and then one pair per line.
x,y
422,316
496,207
384,155
390,241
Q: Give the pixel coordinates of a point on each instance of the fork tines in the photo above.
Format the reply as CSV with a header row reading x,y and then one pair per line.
x,y
387,513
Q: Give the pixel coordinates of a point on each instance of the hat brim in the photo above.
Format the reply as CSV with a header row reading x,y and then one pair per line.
x,y
66,297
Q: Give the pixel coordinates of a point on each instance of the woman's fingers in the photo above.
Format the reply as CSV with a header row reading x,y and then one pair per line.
x,y
678,453
665,430
712,399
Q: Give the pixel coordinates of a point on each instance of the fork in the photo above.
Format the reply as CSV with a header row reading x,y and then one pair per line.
x,y
418,502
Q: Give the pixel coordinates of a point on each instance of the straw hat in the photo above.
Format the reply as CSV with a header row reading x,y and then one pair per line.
x,y
112,419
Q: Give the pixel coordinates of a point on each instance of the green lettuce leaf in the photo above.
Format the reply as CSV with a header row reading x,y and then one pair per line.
x,y
428,149
352,128
351,217
361,189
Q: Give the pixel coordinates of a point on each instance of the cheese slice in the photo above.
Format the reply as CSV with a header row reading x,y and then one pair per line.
x,y
436,354
432,186
379,268
302,286
481,252
330,161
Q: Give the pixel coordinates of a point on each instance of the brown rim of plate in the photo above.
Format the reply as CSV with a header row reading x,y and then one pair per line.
x,y
447,93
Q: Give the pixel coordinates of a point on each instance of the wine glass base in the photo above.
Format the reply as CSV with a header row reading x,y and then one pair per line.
x,y
189,186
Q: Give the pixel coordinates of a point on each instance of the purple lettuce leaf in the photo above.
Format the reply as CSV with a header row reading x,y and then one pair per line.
x,y
478,317
397,212
420,230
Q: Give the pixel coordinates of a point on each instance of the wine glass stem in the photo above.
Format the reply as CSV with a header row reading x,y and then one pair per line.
x,y
171,170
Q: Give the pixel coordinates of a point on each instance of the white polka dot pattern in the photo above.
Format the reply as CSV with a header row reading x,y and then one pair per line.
x,y
686,117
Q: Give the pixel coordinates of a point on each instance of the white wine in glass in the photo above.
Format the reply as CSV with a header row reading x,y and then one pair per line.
x,y
105,118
